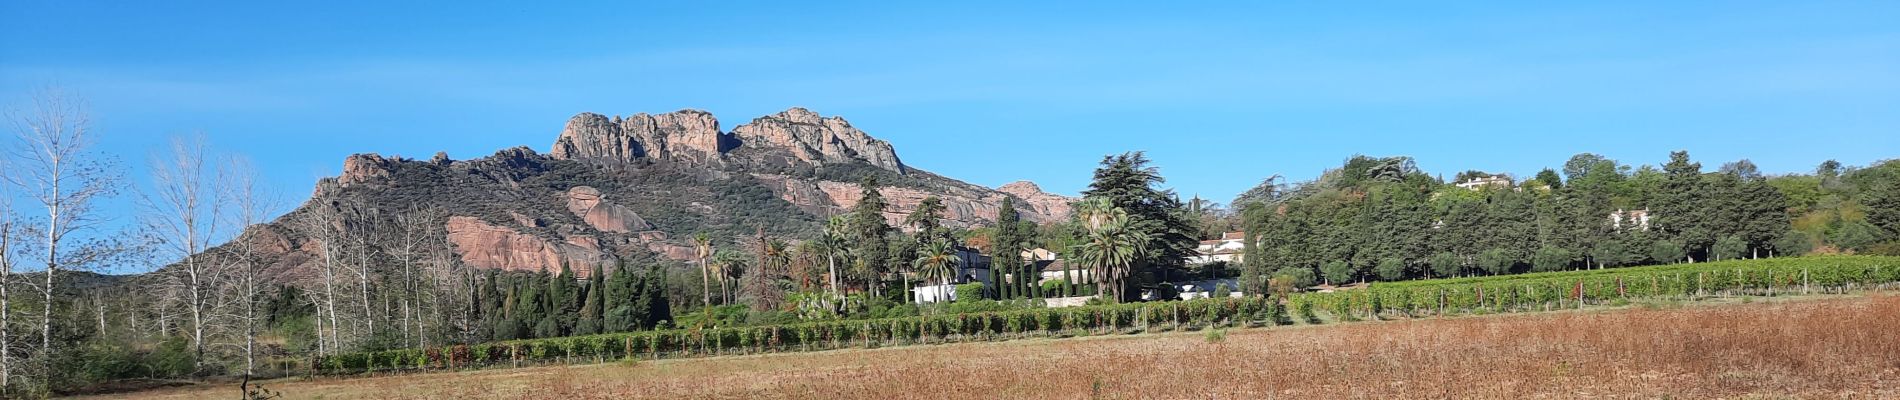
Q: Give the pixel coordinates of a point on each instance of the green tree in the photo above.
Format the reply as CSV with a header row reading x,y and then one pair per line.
x,y
1667,251
1111,247
1549,178
1549,258
1681,209
1792,243
1155,215
1496,261
1445,265
1390,268
868,231
593,312
1728,248
1006,243
1337,272
937,262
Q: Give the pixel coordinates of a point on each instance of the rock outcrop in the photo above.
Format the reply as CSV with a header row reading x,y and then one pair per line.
x,y
813,140
365,168
483,245
586,202
795,137
1031,197
685,135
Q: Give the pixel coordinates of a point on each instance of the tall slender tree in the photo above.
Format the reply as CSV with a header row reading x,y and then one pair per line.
x,y
54,167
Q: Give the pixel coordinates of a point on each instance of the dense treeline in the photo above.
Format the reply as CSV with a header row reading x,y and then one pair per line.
x,y
1383,219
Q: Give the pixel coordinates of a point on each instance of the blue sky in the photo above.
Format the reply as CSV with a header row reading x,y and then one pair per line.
x,y
1220,94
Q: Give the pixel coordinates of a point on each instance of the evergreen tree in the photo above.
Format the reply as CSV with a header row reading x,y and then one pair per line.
x,y
1128,182
869,230
1681,212
592,313
1006,246
623,300
653,298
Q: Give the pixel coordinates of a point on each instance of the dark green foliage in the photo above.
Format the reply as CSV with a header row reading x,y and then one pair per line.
x,y
1391,268
1496,261
1793,243
1338,272
1445,265
1666,251
1550,258
1128,181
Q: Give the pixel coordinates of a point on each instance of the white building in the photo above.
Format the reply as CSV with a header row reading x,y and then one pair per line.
x,y
972,266
1635,218
1480,183
1231,248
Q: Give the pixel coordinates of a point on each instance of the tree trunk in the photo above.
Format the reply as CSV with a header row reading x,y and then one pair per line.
x,y
705,282
832,262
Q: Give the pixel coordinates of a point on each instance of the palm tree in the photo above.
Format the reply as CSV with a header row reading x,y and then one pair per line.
x,y
831,241
702,249
1109,248
936,260
727,266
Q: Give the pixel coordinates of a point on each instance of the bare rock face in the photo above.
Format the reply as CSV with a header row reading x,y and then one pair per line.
x,y
795,137
586,202
816,140
365,168
483,245
1031,197
686,135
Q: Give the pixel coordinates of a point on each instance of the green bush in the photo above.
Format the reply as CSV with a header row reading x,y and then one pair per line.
x,y
970,292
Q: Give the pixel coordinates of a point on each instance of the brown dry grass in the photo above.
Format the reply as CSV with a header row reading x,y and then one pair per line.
x,y
1831,348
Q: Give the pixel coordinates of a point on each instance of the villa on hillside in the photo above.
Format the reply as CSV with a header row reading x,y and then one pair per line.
x,y
1488,181
1230,247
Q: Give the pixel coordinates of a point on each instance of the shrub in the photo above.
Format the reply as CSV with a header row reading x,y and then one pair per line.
x,y
970,292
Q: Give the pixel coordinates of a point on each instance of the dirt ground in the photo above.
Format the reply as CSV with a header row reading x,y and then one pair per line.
x,y
1811,348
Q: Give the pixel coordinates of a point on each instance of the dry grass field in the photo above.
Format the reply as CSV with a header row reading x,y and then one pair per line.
x,y
1842,347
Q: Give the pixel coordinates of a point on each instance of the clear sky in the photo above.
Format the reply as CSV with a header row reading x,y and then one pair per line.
x,y
1220,95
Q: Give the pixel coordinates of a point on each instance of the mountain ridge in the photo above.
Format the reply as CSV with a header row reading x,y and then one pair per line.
x,y
635,186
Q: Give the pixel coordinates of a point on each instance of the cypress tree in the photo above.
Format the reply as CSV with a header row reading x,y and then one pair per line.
x,y
591,312
1007,245
654,296
868,229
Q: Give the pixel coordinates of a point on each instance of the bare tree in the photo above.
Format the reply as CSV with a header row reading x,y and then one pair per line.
x,y
412,240
182,210
54,167
250,206
322,224
7,238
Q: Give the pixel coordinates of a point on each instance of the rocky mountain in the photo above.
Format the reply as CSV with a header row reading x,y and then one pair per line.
x,y
635,187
